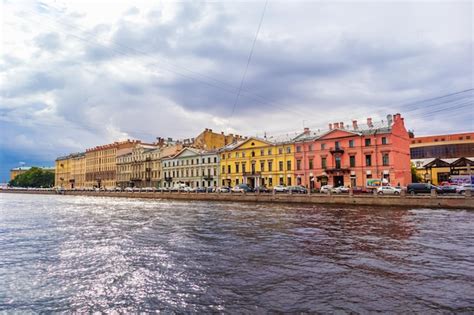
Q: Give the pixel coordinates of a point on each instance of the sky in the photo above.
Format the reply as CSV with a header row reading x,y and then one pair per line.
x,y
76,74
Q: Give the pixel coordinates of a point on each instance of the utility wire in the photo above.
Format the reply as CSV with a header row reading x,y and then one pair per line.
x,y
248,60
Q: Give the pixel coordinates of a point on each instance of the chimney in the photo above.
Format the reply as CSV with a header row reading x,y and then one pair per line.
x,y
210,130
369,122
336,125
341,125
330,126
354,125
222,132
306,131
389,120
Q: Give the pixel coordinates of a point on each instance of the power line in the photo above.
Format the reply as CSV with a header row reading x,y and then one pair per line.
x,y
248,60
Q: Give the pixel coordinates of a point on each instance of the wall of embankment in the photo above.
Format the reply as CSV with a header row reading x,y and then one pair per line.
x,y
451,202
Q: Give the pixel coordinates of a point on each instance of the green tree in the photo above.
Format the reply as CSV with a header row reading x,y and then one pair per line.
x,y
415,177
34,177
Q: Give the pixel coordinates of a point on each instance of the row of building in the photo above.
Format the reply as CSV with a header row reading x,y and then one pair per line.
x,y
341,155
357,154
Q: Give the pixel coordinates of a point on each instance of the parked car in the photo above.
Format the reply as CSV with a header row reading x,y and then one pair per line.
x,y
148,189
360,190
420,188
199,189
223,189
462,189
325,189
117,188
262,189
242,188
280,188
297,190
341,190
449,189
162,189
388,190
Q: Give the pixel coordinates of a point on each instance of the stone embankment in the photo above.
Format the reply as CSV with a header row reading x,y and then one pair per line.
x,y
418,201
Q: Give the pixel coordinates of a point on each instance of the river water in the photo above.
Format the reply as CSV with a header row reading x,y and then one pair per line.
x,y
84,254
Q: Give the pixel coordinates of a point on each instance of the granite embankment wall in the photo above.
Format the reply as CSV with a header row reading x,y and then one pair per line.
x,y
453,202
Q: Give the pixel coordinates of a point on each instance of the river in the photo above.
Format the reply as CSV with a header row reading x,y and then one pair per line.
x,y
86,254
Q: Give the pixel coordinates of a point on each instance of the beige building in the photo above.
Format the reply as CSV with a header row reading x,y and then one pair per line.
x,y
14,172
101,163
70,172
141,167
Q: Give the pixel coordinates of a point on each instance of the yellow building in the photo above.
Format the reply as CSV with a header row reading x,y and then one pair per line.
x,y
257,162
209,140
101,163
78,171
63,171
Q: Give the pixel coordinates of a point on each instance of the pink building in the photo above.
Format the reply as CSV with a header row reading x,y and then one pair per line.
x,y
355,155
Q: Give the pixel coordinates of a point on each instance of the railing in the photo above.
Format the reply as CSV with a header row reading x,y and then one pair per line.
x,y
337,149
252,173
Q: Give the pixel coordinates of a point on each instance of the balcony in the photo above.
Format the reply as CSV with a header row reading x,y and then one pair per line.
x,y
338,149
252,173
168,179
337,170
208,177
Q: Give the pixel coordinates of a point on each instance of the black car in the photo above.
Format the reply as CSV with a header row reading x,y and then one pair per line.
x,y
422,188
297,190
448,189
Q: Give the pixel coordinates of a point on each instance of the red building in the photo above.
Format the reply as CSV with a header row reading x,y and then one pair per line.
x,y
355,155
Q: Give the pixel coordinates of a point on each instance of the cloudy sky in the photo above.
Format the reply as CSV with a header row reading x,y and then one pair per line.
x,y
75,74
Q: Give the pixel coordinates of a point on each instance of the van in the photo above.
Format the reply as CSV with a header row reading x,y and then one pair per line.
x,y
422,188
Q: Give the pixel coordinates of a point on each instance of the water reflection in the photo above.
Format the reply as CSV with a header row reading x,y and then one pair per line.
x,y
63,253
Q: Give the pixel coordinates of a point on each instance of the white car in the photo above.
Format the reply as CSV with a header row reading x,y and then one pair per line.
x,y
388,190
237,189
462,189
149,189
129,189
223,189
340,190
325,189
280,188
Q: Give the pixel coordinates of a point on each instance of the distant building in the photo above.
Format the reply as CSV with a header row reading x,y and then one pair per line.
x,y
14,172
354,155
70,171
441,158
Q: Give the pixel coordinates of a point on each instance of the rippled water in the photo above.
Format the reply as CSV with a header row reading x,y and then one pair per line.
x,y
70,253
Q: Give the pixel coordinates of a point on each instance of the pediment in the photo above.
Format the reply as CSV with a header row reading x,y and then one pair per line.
x,y
337,133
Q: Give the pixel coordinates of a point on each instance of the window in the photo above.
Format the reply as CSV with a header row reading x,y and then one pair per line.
x,y
298,165
243,168
197,161
270,166
253,154
203,160
243,154
336,145
209,160
223,169
323,146
338,162
237,154
228,169
385,160
215,159
280,166
288,165
352,161
368,160
262,152
280,150
310,147
236,167
351,143
236,181
323,162
367,142
311,164
384,140
269,152
298,148
289,181
262,166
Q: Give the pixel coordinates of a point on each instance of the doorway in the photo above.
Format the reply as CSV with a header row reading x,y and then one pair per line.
x,y
338,181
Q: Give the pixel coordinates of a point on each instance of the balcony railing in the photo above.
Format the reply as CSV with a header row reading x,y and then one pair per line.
x,y
337,149
168,179
208,177
252,173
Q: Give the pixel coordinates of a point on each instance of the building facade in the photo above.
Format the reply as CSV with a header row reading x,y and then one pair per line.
x,y
101,163
192,167
438,158
357,155
70,171
257,162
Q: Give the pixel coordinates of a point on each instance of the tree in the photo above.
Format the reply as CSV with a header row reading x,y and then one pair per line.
x,y
415,177
34,177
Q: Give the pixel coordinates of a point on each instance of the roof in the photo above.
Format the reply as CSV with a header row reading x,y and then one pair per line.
x,y
26,168
196,151
432,162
